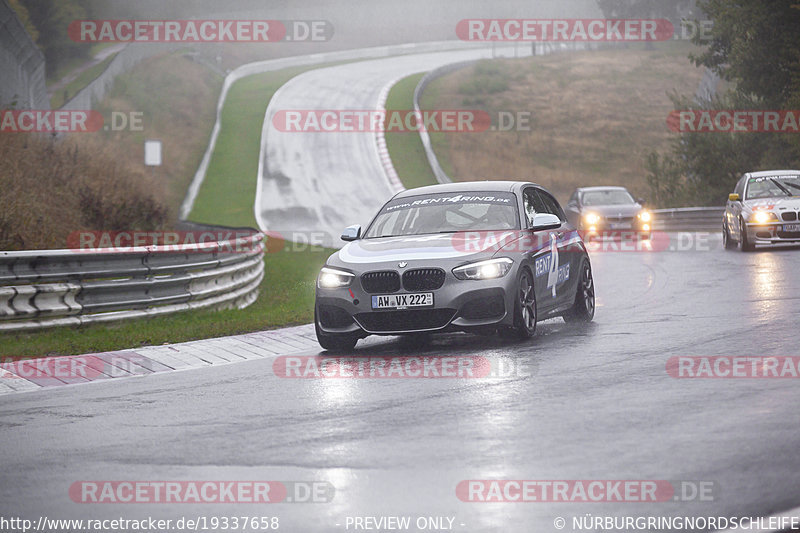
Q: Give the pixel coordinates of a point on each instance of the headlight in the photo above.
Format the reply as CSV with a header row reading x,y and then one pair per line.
x,y
762,217
645,216
490,269
330,278
592,218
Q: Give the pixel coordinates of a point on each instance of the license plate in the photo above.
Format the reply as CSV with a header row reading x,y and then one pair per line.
x,y
402,301
791,227
621,225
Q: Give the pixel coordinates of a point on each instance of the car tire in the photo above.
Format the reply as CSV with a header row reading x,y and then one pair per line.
x,y
726,238
525,316
583,308
744,244
335,342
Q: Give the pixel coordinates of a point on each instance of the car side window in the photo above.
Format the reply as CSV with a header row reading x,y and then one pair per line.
x,y
573,199
551,206
740,187
533,204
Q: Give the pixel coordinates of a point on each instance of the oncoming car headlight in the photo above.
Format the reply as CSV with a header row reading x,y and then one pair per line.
x,y
592,218
489,269
330,278
762,217
645,216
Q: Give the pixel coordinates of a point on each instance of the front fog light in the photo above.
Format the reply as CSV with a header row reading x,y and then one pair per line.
x,y
490,269
330,278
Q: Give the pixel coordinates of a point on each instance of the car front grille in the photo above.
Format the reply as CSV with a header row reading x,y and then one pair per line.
x,y
616,219
423,279
406,320
380,282
789,234
789,216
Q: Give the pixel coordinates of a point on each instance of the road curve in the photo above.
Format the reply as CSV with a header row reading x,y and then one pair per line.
x,y
321,182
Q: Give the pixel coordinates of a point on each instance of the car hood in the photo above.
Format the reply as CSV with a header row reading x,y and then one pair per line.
x,y
625,210
775,204
425,247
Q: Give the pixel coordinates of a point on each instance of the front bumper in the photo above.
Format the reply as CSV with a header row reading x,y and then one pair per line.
x,y
771,233
457,305
616,228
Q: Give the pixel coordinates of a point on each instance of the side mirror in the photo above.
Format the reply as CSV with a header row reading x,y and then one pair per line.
x,y
641,201
351,233
733,197
545,221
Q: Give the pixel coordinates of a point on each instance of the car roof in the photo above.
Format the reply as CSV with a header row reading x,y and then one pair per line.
x,y
603,188
467,186
773,173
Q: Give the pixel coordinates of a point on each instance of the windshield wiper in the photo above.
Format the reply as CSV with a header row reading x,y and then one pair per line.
x,y
793,185
781,187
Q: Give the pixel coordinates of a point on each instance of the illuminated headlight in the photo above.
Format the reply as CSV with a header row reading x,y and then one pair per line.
x,y
330,278
592,218
762,217
645,216
490,269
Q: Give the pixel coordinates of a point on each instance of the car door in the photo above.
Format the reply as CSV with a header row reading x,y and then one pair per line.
x,y
542,253
733,209
564,270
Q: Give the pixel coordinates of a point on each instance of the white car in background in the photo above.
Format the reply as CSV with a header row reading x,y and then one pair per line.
x,y
764,208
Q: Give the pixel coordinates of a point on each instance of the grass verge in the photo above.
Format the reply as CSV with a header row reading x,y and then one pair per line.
x,y
405,147
62,96
293,271
593,116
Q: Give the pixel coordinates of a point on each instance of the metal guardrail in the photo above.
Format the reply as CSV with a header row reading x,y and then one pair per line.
x,y
48,288
688,219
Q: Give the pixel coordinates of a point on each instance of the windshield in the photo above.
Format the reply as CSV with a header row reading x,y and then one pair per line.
x,y
772,187
608,197
446,213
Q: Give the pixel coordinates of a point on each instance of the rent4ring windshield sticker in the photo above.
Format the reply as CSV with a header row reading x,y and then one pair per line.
x,y
469,198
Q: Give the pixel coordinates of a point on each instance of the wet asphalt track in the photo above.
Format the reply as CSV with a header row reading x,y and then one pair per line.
x,y
592,402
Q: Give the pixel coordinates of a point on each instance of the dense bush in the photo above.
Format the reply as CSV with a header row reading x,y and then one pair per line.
x,y
49,189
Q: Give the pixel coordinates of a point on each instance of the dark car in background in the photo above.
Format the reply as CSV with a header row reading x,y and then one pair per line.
x,y
764,208
608,211
496,255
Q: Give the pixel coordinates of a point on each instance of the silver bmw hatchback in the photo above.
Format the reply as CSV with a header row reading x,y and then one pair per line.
x,y
485,256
